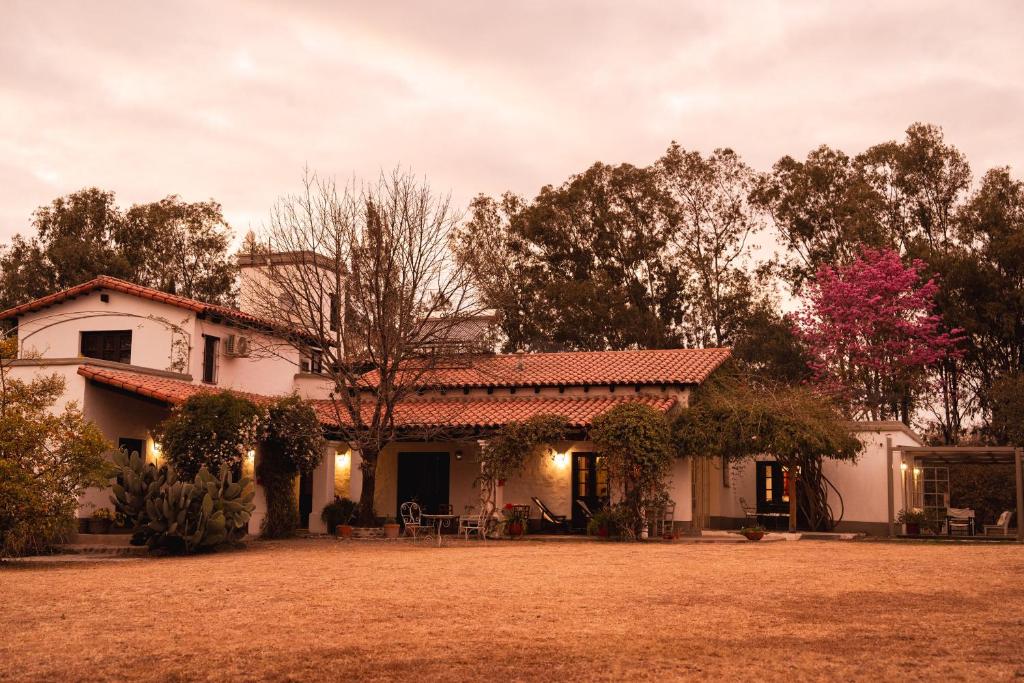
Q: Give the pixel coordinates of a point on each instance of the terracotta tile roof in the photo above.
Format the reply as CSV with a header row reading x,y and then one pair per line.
x,y
578,368
118,285
442,412
488,411
166,389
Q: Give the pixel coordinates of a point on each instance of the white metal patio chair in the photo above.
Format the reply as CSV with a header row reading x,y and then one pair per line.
x,y
412,520
1002,525
479,524
749,512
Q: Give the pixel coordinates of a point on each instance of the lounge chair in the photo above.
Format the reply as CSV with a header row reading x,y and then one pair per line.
x,y
1002,525
587,513
959,522
549,518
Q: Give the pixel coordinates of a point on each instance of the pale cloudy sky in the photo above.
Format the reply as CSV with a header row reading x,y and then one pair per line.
x,y
230,100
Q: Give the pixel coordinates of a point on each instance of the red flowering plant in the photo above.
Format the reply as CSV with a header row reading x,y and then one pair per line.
x,y
872,333
515,514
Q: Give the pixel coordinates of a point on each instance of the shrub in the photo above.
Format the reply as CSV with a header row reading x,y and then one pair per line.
x,y
211,430
608,522
137,481
635,442
340,511
294,443
47,459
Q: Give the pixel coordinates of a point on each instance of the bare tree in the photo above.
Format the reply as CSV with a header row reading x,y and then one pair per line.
x,y
365,282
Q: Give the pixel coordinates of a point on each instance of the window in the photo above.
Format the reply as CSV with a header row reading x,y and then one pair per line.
x,y
210,347
313,363
113,345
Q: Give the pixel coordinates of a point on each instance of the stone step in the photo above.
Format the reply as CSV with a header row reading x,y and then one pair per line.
x,y
103,549
102,539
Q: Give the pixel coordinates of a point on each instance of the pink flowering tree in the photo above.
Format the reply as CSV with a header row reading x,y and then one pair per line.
x,y
872,334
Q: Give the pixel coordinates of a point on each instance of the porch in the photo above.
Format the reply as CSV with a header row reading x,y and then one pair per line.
x,y
442,476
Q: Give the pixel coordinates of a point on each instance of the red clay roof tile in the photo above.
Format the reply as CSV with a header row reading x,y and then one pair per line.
x,y
428,413
578,368
118,285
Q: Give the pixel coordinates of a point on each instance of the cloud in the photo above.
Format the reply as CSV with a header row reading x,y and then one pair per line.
x,y
231,100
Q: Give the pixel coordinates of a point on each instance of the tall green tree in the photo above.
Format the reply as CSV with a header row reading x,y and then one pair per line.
x,y
714,226
175,246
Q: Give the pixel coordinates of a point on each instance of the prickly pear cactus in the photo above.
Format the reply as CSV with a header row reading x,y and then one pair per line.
x,y
199,515
136,482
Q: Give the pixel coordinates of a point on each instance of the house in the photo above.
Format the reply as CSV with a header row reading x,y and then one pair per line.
x,y
129,353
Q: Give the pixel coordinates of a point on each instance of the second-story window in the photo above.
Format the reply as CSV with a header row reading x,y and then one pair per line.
x,y
210,347
115,345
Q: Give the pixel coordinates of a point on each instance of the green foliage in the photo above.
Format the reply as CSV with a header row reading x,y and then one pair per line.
x,y
294,443
507,452
986,489
211,430
611,522
103,514
736,417
294,434
339,511
171,245
1007,399
179,516
635,443
47,460
912,516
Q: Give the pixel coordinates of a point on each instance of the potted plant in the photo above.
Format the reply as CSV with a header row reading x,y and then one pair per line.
x,y
515,520
338,514
912,520
100,521
604,523
391,528
753,533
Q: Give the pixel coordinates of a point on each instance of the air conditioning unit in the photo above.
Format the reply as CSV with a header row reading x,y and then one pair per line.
x,y
236,346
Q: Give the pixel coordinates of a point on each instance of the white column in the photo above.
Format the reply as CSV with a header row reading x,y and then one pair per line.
x,y
323,488
355,473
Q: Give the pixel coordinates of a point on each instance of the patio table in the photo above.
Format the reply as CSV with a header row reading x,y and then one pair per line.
x,y
438,522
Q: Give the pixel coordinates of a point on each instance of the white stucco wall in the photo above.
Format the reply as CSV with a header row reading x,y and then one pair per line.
x,y
269,369
161,333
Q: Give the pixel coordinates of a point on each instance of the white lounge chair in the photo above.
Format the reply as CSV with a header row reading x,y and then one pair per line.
x,y
1002,525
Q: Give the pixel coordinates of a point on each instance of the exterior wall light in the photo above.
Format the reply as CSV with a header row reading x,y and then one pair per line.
x,y
561,460
342,460
903,466
251,456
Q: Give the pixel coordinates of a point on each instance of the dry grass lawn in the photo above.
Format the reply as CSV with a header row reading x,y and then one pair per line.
x,y
330,610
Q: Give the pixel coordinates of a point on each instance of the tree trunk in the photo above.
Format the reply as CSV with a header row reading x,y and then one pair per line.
x,y
367,512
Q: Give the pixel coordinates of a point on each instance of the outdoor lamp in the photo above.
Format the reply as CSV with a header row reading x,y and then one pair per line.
x,y
251,455
342,460
561,459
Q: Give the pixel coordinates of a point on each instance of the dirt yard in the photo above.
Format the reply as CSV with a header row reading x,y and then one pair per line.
x,y
325,609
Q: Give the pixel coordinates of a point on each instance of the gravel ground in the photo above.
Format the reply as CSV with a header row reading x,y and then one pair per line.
x,y
322,609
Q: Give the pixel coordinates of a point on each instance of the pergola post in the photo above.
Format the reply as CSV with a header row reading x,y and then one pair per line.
x,y
1019,467
889,479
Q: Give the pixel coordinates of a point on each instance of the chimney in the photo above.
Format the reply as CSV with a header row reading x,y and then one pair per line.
x,y
520,360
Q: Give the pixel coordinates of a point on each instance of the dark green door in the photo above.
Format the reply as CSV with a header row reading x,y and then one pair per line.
x,y
589,485
423,478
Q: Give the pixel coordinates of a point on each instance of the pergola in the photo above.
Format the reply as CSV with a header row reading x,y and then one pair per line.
x,y
947,455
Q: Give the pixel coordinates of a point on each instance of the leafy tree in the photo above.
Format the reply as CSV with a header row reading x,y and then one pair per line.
x,y
737,417
212,430
47,459
171,245
636,444
768,346
714,230
1007,397
582,266
294,443
872,333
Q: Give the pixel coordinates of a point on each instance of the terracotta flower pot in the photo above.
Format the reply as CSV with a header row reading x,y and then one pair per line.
x,y
515,529
344,530
391,530
754,535
602,532
913,529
